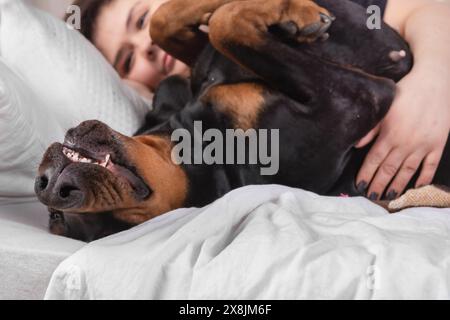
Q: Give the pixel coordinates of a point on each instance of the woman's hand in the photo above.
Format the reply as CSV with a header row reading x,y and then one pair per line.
x,y
414,132
417,126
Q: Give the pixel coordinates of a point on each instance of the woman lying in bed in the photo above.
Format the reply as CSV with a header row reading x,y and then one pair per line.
x,y
412,135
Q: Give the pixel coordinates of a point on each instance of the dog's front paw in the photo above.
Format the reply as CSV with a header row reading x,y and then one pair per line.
x,y
304,21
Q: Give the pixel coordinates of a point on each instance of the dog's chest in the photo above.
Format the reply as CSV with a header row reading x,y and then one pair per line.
x,y
241,103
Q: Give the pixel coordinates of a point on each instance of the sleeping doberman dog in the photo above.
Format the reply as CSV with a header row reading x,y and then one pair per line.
x,y
311,69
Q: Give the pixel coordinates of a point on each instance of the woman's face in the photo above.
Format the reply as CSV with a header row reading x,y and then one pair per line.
x,y
122,35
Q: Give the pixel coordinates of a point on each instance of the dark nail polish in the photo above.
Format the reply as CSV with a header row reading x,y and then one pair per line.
x,y
373,196
391,195
362,187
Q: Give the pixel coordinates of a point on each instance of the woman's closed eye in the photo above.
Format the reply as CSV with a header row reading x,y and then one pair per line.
x,y
128,64
142,20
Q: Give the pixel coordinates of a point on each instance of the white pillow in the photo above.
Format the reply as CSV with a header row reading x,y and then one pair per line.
x,y
51,79
23,137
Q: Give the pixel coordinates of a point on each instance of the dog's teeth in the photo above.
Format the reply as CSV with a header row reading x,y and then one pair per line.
x,y
105,162
76,157
108,157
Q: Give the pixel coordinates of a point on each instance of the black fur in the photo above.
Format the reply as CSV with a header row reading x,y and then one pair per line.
x,y
323,97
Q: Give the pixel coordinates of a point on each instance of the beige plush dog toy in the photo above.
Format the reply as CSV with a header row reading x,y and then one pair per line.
x,y
428,196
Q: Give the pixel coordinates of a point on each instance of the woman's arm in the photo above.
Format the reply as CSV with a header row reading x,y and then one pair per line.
x,y
425,25
416,128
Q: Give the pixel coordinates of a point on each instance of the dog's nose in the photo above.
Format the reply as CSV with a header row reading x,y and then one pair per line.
x,y
41,184
67,194
58,192
66,169
53,188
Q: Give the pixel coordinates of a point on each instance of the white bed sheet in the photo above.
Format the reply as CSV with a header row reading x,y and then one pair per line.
x,y
28,253
268,242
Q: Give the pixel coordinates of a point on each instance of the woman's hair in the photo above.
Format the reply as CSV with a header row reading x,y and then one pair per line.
x,y
90,10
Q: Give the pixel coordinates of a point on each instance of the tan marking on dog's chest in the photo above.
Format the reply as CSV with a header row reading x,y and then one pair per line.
x,y
242,102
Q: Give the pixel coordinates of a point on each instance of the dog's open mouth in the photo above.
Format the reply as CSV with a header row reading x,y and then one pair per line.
x,y
106,160
91,172
76,156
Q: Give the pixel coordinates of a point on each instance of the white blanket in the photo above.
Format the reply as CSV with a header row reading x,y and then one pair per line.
x,y
268,242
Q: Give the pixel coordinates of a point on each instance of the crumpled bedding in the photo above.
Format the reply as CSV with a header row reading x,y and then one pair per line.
x,y
268,242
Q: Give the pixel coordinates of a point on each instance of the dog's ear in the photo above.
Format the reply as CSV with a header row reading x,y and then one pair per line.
x,y
170,98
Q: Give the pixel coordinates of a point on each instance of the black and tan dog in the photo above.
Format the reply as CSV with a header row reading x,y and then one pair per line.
x,y
265,64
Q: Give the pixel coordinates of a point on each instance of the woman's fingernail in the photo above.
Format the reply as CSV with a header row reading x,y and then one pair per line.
x,y
391,195
373,196
362,187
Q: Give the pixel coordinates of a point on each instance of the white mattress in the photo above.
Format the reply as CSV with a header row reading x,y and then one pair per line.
x,y
28,253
